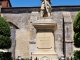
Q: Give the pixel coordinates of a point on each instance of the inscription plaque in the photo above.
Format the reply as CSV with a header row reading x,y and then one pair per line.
x,y
44,40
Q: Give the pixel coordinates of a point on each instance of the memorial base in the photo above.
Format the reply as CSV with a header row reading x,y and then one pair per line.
x,y
39,55
45,42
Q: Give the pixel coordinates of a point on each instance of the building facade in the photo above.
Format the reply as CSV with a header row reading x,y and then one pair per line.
x,y
23,33
5,3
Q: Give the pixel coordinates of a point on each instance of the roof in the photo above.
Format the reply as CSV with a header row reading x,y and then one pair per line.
x,y
8,1
30,9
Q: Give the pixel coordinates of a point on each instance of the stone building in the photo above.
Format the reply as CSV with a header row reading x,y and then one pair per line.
x,y
23,33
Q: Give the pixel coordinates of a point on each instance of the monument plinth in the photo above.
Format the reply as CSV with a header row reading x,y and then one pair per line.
x,y
45,40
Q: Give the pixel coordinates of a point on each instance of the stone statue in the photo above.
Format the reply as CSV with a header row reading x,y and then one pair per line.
x,y
46,8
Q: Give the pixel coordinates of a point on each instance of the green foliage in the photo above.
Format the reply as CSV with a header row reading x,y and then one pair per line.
x,y
76,24
77,39
76,55
5,56
76,27
4,27
5,41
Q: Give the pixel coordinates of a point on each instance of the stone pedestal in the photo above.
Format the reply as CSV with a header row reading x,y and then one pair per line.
x,y
45,40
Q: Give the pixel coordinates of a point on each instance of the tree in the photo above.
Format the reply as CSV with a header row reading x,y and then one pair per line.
x,y
5,41
76,27
76,55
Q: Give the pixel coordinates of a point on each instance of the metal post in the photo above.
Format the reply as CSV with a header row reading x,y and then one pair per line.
x,y
0,10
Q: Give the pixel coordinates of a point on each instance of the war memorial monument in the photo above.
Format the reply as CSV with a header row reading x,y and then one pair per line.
x,y
42,33
45,28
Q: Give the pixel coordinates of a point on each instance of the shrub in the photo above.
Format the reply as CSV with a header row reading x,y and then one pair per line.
x,y
76,55
76,24
4,27
5,41
5,56
76,27
77,39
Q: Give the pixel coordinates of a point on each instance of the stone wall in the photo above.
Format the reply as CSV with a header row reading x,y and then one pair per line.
x,y
22,34
26,34
57,16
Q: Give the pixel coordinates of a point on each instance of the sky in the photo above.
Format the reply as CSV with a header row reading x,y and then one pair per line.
x,y
31,3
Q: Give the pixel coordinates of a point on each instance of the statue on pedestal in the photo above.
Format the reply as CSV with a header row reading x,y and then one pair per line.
x,y
46,8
